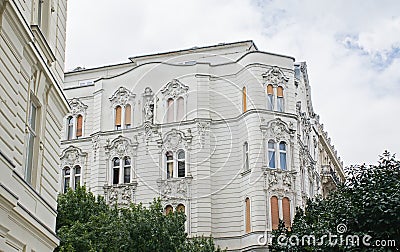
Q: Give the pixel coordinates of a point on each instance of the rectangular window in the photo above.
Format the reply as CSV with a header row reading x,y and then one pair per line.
x,y
280,104
31,143
270,102
116,176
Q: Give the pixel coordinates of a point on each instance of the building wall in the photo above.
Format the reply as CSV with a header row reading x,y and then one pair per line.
x,y
213,133
31,71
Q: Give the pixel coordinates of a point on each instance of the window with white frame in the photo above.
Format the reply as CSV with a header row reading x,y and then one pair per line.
x,y
72,177
31,143
275,94
123,115
121,170
74,126
275,161
270,97
175,109
246,156
279,99
177,168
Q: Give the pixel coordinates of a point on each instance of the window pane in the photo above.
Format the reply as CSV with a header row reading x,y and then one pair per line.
x,y
180,109
115,176
180,208
170,169
116,162
77,181
127,161
66,184
70,126
181,155
274,212
280,104
280,92
283,161
181,168
67,172
29,159
127,174
32,121
271,156
270,102
168,209
169,155
282,146
77,170
270,90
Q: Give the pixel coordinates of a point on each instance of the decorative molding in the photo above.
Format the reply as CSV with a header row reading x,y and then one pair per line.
x,y
275,76
121,194
121,146
278,181
95,146
72,156
175,139
174,89
77,107
121,97
278,130
203,129
175,188
148,107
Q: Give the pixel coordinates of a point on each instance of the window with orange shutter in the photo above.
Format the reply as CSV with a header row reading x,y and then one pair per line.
x,y
274,212
118,112
128,116
286,212
248,224
244,94
169,209
79,123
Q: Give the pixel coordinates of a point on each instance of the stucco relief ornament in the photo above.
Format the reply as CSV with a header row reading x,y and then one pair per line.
x,y
275,76
148,107
72,156
121,96
203,129
173,140
272,179
77,107
287,180
174,89
278,130
95,145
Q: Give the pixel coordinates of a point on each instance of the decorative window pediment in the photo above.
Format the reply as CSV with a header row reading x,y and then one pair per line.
x,y
175,139
174,89
278,130
275,76
121,97
72,156
77,107
121,147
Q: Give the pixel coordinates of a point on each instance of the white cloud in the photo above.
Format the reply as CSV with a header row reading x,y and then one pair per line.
x,y
349,46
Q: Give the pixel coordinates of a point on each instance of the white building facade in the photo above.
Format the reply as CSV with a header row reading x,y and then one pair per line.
x,y
225,133
32,108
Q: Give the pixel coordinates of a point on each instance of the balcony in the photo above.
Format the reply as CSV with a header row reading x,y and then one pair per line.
x,y
330,179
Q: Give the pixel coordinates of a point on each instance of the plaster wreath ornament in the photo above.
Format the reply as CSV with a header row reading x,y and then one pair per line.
x,y
174,89
121,96
275,76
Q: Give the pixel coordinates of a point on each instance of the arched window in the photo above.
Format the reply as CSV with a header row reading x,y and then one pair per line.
x,y
128,116
181,163
116,164
282,155
170,110
169,209
244,99
67,178
118,114
70,127
270,97
271,154
280,99
246,156
180,208
248,224
286,212
77,179
274,212
170,164
127,170
79,125
180,108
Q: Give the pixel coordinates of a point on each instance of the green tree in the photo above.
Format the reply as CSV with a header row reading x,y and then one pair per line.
x,y
367,204
86,223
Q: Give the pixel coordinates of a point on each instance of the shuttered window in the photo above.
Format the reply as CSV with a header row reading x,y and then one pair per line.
x,y
79,124
274,212
270,97
280,99
128,116
180,208
280,92
169,209
286,211
248,226
270,89
118,113
244,94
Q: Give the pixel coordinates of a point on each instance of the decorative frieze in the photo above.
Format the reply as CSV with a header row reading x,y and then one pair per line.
x,y
174,188
175,139
203,128
121,146
121,194
275,76
276,180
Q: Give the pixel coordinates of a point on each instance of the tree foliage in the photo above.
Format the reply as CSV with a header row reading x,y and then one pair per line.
x,y
366,205
86,223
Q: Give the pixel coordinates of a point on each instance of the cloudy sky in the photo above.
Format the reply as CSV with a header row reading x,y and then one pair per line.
x,y
352,49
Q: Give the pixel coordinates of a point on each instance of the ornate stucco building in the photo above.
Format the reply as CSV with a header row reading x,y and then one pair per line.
x,y
226,133
32,108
